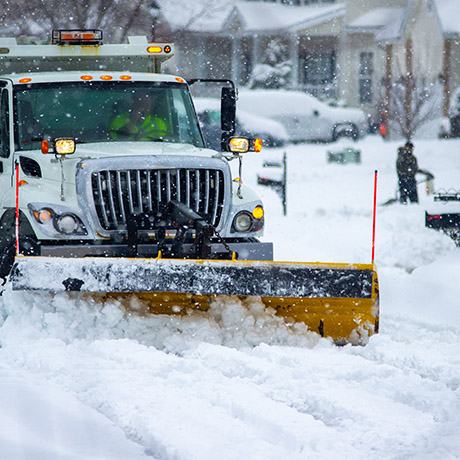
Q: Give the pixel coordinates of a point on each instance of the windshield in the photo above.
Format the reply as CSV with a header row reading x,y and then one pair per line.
x,y
105,112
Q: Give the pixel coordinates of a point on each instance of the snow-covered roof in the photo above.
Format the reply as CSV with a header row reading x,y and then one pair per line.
x,y
260,16
195,16
449,12
254,16
385,23
393,29
376,19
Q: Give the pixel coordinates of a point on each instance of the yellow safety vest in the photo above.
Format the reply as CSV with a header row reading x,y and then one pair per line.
x,y
148,129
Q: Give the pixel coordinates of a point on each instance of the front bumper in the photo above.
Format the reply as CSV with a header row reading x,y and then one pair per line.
x,y
245,250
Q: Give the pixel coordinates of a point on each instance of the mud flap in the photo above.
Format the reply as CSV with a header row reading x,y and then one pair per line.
x,y
335,300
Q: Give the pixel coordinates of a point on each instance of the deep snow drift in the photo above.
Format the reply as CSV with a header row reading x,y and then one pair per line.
x,y
80,380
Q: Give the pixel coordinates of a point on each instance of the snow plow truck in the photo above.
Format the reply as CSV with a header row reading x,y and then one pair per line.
x,y
108,189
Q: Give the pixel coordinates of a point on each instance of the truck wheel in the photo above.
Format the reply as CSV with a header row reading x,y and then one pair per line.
x,y
7,254
28,244
28,247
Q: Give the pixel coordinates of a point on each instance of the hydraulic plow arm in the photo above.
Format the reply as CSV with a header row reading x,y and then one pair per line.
x,y
335,300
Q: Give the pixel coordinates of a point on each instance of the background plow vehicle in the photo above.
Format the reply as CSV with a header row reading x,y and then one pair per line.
x,y
109,190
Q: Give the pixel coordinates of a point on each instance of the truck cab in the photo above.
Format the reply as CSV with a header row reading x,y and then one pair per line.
x,y
98,158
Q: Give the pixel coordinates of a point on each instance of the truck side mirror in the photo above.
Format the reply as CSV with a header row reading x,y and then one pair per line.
x,y
228,110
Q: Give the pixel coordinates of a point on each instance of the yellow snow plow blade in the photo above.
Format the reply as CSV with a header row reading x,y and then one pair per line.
x,y
340,301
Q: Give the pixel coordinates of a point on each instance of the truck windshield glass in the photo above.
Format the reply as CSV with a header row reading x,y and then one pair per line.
x,y
105,112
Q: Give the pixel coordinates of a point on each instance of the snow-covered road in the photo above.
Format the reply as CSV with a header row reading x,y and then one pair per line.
x,y
81,381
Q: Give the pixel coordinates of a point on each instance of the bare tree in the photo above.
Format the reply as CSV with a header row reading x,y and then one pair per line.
x,y
117,18
414,100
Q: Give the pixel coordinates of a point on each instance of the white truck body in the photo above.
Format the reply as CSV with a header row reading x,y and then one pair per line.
x,y
78,204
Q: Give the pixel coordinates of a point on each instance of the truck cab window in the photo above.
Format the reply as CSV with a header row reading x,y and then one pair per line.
x,y
95,112
4,125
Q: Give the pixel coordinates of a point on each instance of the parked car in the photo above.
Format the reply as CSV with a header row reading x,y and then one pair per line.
x,y
272,133
305,117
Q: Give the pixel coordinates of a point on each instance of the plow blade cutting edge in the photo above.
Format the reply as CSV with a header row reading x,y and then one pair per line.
x,y
340,301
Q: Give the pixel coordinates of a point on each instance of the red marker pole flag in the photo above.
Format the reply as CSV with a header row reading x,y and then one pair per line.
x,y
373,217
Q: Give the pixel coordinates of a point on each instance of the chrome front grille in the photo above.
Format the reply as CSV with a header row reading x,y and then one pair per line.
x,y
118,193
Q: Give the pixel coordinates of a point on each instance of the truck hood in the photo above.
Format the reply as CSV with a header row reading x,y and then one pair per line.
x,y
104,149
51,169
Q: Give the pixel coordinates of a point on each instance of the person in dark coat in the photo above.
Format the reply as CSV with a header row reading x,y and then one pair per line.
x,y
407,168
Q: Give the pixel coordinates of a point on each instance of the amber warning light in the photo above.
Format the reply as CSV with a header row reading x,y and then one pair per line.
x,y
77,37
156,49
257,145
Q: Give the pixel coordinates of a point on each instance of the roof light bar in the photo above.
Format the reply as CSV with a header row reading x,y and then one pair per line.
x,y
76,37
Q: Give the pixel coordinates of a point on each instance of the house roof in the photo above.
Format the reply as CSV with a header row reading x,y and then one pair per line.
x,y
376,20
194,16
388,23
384,23
394,27
449,12
278,17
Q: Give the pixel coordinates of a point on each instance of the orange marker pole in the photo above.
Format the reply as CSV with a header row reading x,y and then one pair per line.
x,y
373,217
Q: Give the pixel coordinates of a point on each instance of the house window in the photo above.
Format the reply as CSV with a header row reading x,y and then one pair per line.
x,y
319,69
366,74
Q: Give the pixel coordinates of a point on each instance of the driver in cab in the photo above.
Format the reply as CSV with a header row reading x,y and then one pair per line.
x,y
139,123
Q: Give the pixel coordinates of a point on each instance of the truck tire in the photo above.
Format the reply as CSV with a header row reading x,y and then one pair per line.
x,y
28,244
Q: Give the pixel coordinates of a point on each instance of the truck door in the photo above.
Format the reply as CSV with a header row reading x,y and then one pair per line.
x,y
4,128
5,147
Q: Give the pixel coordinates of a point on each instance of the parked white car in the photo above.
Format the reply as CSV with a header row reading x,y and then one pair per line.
x,y
272,133
304,117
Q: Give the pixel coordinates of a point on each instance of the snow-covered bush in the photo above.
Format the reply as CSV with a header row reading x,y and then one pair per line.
x,y
275,70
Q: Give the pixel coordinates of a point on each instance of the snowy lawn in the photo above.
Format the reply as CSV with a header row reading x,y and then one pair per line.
x,y
80,381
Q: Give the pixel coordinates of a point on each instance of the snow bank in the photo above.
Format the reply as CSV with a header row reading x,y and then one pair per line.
x,y
82,379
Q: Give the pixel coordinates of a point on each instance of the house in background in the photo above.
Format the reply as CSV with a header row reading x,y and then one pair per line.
x,y
394,60
228,41
349,50
449,13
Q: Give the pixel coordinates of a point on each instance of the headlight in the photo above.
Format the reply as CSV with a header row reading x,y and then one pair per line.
x,y
64,146
67,223
59,146
238,144
242,222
